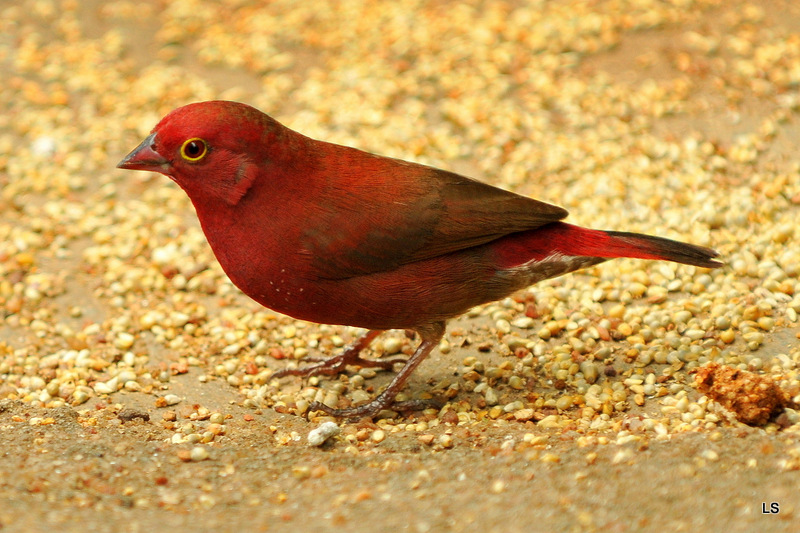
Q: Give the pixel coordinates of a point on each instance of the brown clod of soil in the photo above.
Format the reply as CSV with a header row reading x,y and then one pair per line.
x,y
752,398
126,415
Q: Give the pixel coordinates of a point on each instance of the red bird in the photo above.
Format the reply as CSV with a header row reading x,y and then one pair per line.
x,y
331,234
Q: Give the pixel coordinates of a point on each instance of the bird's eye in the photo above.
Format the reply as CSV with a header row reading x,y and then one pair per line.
x,y
194,149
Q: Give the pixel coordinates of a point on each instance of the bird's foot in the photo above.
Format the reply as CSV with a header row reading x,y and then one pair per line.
x,y
336,364
431,335
374,407
386,399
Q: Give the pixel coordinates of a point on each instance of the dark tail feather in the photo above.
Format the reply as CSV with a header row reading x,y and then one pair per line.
x,y
624,244
566,239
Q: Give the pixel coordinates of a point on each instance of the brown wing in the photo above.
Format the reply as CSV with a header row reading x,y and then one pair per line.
x,y
411,213
474,213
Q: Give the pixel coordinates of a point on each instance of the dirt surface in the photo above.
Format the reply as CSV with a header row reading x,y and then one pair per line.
x,y
195,444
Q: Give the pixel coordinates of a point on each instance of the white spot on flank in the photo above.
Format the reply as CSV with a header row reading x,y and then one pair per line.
x,y
555,264
558,256
554,257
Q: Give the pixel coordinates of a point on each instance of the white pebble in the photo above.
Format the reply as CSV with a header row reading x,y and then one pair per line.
x,y
326,430
124,340
198,453
43,147
172,399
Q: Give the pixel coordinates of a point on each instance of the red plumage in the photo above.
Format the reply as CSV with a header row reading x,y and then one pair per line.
x,y
331,234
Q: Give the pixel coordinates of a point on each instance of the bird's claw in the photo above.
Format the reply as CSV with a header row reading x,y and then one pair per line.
x,y
349,357
370,409
337,364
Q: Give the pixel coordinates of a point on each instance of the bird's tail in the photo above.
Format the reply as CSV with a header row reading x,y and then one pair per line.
x,y
624,244
579,241
560,239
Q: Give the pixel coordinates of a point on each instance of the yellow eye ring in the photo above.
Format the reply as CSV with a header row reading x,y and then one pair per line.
x,y
194,149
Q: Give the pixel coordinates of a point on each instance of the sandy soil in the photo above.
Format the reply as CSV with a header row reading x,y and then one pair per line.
x,y
114,464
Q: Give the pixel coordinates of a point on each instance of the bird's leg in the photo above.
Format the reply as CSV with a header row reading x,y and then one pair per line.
x,y
385,400
337,363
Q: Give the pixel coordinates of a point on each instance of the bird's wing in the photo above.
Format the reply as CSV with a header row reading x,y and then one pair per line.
x,y
474,213
380,213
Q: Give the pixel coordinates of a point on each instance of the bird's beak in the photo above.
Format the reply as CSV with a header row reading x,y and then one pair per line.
x,y
145,157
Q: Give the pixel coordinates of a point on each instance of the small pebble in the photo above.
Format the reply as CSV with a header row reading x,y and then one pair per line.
x,y
199,453
326,430
172,399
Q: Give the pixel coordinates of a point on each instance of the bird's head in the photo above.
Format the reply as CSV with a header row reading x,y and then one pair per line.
x,y
211,149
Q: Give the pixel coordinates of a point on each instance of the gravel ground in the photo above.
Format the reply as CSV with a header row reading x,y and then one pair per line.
x,y
135,380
